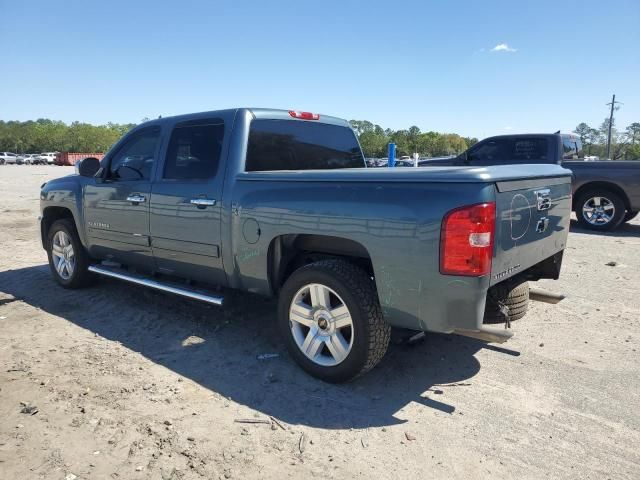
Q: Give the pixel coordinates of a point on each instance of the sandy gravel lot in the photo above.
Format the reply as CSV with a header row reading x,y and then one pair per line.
x,y
134,384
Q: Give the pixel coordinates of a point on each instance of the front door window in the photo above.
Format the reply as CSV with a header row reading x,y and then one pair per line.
x,y
134,160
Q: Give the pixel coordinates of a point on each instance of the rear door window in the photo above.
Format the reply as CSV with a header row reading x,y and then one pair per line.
x,y
490,152
301,145
506,151
194,151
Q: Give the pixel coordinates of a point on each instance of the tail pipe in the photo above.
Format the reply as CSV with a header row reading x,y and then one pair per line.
x,y
487,334
539,295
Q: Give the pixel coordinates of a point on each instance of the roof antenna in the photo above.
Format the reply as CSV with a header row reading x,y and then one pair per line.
x,y
557,132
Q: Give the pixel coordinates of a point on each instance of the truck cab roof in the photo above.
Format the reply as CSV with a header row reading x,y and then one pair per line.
x,y
527,135
266,113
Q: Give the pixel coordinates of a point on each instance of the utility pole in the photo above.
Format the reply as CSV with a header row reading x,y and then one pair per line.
x,y
613,104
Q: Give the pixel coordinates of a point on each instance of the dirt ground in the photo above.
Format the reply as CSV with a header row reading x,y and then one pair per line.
x,y
133,384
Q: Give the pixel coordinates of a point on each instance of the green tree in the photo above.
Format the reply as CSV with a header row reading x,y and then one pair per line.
x,y
633,132
43,135
588,136
583,131
413,135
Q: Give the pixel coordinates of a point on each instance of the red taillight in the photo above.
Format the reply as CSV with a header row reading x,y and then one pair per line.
x,y
466,240
304,115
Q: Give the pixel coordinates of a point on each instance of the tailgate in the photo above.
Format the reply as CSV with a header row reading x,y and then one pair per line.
x,y
532,223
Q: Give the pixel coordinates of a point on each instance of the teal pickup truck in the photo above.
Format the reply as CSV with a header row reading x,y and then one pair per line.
x,y
279,203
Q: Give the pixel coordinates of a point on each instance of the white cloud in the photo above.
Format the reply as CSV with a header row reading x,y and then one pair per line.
x,y
503,47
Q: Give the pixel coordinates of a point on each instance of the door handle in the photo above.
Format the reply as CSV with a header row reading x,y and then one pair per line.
x,y
136,198
202,202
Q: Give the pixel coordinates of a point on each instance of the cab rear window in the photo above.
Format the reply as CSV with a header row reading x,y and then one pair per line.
x,y
301,145
530,150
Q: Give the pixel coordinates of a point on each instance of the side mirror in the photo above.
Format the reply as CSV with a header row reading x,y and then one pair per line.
x,y
88,167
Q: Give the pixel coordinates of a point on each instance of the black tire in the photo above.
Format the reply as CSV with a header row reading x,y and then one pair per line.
x,y
614,198
630,216
513,295
81,277
371,333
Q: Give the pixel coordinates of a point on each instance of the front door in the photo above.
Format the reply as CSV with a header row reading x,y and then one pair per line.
x,y
116,206
186,203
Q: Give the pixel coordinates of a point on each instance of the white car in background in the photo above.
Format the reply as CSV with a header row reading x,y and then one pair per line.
x,y
8,158
49,157
32,159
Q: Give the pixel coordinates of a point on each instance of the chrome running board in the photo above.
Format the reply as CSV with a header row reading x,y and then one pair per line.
x,y
147,282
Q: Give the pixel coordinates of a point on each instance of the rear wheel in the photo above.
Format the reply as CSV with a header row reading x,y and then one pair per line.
x,y
68,259
515,296
331,320
600,210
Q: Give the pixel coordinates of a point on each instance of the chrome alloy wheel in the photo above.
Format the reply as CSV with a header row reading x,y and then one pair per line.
x,y
64,259
321,325
598,210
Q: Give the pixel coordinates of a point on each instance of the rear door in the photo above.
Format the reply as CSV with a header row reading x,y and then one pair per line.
x,y
532,223
116,206
186,203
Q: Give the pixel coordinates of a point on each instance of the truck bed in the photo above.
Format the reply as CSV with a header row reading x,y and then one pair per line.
x,y
396,216
446,174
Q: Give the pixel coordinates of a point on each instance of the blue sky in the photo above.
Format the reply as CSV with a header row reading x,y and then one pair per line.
x,y
398,64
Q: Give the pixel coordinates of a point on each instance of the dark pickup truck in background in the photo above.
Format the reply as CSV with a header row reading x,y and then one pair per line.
x,y
605,193
279,203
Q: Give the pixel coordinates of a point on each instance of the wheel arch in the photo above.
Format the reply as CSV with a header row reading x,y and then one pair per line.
x,y
289,252
50,215
612,187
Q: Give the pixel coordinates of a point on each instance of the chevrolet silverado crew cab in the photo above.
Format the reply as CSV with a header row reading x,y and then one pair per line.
x,y
279,203
605,193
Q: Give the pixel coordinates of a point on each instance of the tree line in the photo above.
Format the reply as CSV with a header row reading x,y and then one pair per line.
x,y
625,145
44,135
374,140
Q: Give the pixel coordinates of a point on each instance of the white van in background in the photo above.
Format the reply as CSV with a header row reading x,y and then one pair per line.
x,y
49,157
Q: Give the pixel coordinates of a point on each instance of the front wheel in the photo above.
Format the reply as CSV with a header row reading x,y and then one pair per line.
x,y
331,320
68,259
600,210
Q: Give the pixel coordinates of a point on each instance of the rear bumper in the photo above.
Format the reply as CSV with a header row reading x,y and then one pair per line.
x,y
459,306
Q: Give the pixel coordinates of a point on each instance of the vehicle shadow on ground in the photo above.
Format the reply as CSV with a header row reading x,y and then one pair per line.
x,y
224,357
624,230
